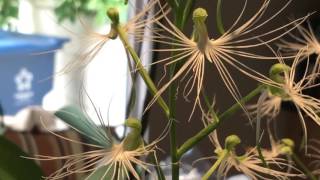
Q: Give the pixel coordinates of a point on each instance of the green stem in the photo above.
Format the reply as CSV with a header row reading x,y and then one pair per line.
x,y
303,166
215,165
142,71
173,151
186,11
173,3
261,157
172,119
191,142
219,18
160,173
180,23
145,76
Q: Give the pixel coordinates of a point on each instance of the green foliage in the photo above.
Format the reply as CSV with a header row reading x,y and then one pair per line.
x,y
8,10
67,10
73,116
70,9
13,166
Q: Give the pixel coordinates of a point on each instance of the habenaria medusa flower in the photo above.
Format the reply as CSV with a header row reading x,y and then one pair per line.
x,y
249,163
108,160
284,86
196,52
306,42
135,27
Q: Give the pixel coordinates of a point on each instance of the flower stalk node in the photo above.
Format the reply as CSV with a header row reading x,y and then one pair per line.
x,y
133,140
113,15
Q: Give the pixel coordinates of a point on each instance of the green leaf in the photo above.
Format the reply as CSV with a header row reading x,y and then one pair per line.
x,y
13,166
73,116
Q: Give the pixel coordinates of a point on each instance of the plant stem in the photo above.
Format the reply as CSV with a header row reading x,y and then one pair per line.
x,y
180,20
154,160
219,18
191,142
303,166
261,157
172,119
142,71
215,165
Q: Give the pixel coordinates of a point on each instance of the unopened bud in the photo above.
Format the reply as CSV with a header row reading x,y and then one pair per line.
x,y
113,14
288,142
133,123
277,70
286,150
200,33
199,14
232,141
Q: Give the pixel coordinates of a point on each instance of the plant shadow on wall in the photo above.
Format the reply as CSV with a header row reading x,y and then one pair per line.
x,y
229,79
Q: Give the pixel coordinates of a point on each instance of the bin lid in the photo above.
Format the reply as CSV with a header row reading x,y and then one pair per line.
x,y
17,43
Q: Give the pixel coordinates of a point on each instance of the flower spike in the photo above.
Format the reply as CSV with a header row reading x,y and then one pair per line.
x,y
194,54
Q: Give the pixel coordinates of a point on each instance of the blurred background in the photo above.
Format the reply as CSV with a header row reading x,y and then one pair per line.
x,y
66,26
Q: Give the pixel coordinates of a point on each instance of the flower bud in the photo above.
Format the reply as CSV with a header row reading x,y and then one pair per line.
x,y
288,142
232,141
113,14
199,14
287,146
286,150
133,140
276,71
133,123
200,33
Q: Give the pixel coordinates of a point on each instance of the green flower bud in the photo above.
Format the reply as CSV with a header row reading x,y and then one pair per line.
x,y
200,33
277,70
113,14
276,73
133,123
199,14
288,142
287,146
133,140
232,141
286,150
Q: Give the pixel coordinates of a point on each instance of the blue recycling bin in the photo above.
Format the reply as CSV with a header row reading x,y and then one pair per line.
x,y
26,69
